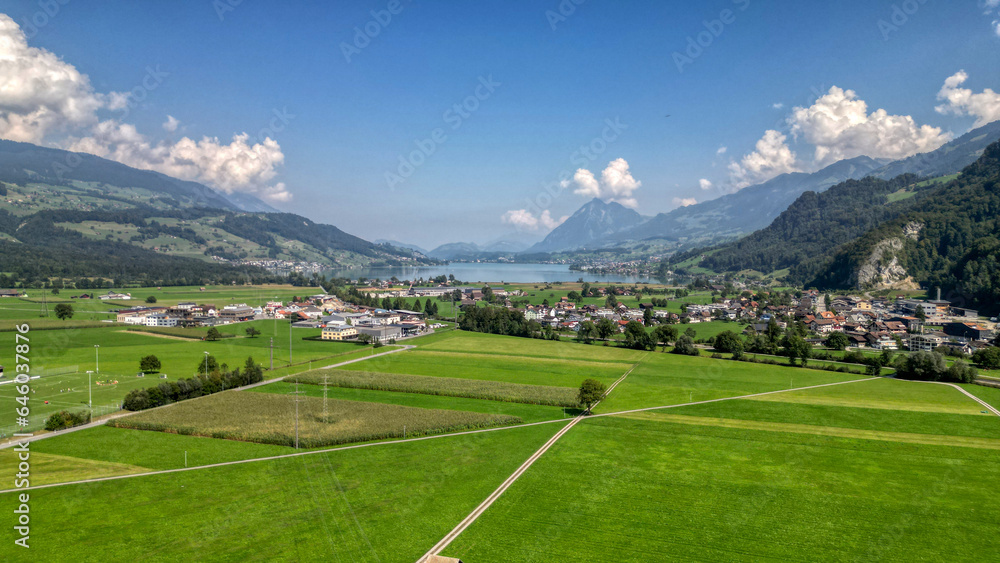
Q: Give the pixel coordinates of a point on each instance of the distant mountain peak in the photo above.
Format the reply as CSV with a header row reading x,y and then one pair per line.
x,y
594,221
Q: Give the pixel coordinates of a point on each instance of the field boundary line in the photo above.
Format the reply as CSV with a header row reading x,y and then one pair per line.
x,y
101,421
986,405
278,457
720,399
479,510
383,443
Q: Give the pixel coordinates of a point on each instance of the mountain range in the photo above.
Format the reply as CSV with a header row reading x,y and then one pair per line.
x,y
79,215
738,214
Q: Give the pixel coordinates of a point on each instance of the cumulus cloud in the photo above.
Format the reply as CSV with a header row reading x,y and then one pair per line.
x,y
525,220
996,27
778,105
616,184
984,106
170,125
722,150
705,184
586,184
772,156
40,93
44,99
684,201
241,165
839,126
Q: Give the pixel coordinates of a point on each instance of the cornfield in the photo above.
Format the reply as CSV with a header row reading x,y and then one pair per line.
x,y
270,419
446,386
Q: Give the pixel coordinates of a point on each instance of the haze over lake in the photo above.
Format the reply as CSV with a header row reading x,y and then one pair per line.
x,y
489,272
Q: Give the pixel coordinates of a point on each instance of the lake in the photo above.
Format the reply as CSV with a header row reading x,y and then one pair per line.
x,y
486,272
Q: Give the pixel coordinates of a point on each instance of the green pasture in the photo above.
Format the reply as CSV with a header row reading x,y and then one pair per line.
x,y
528,413
670,379
618,489
513,369
383,503
71,353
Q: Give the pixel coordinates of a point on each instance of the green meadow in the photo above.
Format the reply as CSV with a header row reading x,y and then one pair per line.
x,y
622,489
514,369
663,379
61,358
383,503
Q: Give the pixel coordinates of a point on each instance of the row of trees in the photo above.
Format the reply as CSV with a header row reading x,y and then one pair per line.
x,y
200,385
931,366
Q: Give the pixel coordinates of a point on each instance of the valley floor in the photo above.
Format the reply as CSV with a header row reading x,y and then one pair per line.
x,y
688,458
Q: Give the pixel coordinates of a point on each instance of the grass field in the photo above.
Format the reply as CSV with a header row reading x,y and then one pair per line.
x,y
527,413
869,469
672,491
71,353
447,386
386,503
513,369
669,379
268,418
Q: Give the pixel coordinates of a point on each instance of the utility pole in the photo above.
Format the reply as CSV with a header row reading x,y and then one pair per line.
x,y
296,415
90,401
97,353
271,346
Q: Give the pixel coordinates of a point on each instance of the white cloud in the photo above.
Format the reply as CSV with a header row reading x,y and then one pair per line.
x,y
991,4
616,184
39,93
984,106
722,150
771,157
44,99
778,105
170,125
996,27
839,126
525,220
239,166
705,184
586,184
684,201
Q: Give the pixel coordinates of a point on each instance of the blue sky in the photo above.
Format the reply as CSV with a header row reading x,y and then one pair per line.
x,y
556,81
